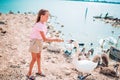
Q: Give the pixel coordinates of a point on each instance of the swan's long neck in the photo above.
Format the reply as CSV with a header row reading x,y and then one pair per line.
x,y
117,41
75,55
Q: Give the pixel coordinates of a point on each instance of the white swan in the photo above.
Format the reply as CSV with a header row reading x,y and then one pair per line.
x,y
85,66
106,41
111,40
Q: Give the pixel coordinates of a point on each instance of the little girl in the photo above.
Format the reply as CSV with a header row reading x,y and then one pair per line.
x,y
38,37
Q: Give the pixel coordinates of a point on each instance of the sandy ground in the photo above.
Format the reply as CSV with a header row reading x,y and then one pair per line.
x,y
15,58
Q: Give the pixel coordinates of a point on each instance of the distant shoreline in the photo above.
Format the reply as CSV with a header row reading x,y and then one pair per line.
x,y
97,1
109,19
106,2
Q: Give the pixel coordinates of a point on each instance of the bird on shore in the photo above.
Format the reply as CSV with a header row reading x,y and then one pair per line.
x,y
105,60
84,66
110,71
107,41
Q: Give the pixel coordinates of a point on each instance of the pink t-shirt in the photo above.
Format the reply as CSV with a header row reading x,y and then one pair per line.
x,y
36,31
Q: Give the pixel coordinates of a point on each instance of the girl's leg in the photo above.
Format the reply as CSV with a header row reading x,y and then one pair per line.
x,y
39,62
39,65
32,63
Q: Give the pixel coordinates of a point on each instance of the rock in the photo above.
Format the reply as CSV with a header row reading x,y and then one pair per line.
x,y
54,49
67,72
45,45
3,32
15,66
2,22
1,29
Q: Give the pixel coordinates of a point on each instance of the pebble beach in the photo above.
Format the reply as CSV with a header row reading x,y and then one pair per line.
x,y
14,56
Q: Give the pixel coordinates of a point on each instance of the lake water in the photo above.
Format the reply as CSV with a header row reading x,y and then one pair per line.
x,y
72,14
